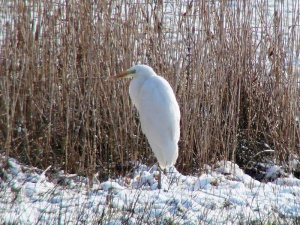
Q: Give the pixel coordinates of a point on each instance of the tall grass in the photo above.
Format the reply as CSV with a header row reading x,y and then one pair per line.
x,y
232,64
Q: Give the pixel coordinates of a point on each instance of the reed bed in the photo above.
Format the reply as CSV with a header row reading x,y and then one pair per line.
x,y
234,66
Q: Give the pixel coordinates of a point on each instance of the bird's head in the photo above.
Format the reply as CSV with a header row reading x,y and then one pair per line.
x,y
135,71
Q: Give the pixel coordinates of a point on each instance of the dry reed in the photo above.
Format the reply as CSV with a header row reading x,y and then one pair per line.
x,y
231,64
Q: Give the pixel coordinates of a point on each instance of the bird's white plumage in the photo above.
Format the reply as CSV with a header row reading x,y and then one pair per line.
x,y
158,111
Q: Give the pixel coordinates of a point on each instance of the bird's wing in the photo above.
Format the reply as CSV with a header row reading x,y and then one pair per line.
x,y
158,108
159,115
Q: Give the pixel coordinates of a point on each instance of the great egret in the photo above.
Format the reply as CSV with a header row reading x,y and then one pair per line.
x,y
158,110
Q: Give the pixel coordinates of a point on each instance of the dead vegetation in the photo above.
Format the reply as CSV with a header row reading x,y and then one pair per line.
x,y
232,64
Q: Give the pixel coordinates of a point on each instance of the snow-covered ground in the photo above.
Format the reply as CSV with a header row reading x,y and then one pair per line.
x,y
222,195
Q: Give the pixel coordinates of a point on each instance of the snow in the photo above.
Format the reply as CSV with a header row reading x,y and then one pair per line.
x,y
224,194
110,185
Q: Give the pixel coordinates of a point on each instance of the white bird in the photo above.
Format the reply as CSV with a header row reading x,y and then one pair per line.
x,y
158,110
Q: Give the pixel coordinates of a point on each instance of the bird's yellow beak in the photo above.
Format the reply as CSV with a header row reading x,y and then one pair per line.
x,y
122,75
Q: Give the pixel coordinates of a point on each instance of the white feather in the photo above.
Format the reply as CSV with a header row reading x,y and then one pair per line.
x,y
158,111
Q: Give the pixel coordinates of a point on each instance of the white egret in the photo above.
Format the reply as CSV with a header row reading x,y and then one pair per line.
x,y
158,110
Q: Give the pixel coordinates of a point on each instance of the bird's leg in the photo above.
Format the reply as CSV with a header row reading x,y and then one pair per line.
x,y
165,171
159,176
159,179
